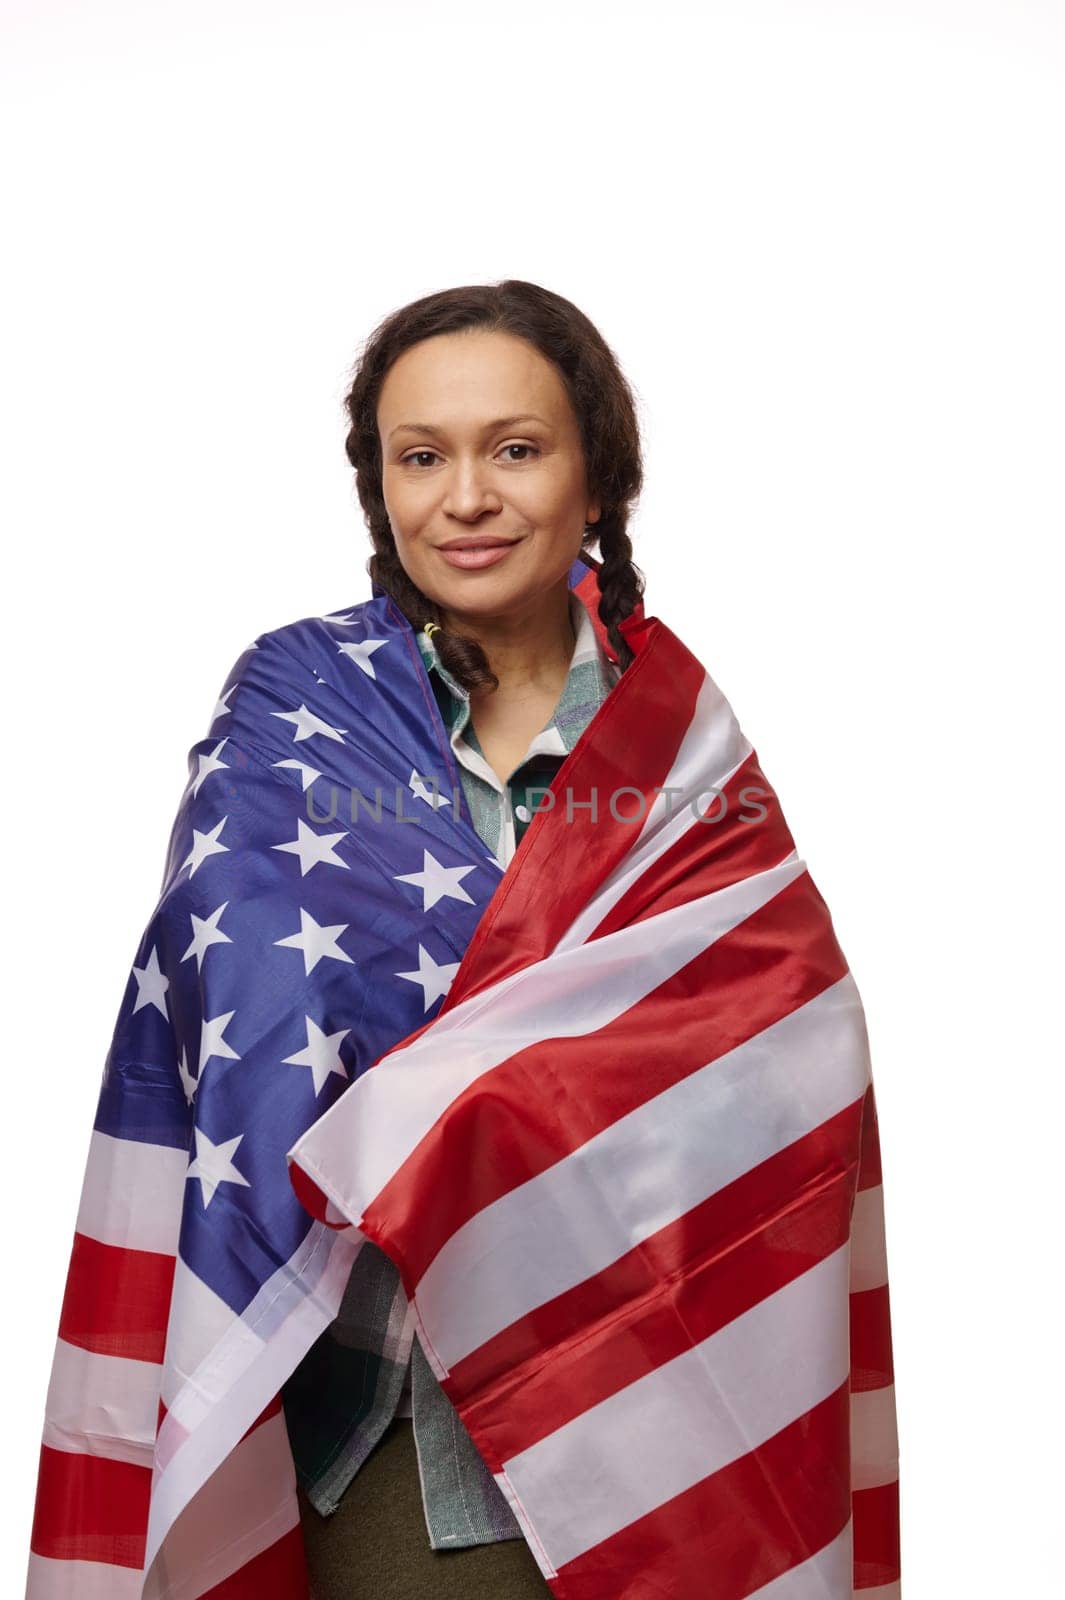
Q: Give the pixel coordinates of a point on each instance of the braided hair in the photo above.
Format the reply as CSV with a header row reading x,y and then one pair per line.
x,y
605,409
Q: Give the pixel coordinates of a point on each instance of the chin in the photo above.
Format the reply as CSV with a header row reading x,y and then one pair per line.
x,y
485,598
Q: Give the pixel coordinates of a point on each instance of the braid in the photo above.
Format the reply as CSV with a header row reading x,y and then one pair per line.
x,y
463,657
621,585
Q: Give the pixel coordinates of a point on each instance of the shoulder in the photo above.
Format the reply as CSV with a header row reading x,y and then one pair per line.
x,y
287,694
315,672
308,636
308,647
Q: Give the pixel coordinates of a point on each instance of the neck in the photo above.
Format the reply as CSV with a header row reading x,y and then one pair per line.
x,y
529,650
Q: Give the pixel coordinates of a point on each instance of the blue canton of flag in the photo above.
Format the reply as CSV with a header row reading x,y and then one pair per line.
x,y
270,978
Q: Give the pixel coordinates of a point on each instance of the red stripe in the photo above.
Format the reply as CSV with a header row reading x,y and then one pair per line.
x,y
563,862
877,1553
117,1301
90,1509
736,843
278,1573
310,1196
719,1266
877,1532
871,1172
737,1529
871,1354
770,964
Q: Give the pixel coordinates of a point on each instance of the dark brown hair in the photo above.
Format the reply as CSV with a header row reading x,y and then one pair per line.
x,y
606,414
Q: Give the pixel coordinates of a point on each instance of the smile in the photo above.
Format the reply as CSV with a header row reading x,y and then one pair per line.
x,y
485,555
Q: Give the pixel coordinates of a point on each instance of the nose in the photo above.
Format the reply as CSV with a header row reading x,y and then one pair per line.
x,y
469,492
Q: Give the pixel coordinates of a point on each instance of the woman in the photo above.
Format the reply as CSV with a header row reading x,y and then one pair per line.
x,y
582,1288
472,465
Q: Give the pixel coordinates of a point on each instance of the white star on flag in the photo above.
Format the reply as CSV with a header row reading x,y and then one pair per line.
x,y
361,653
434,977
206,932
208,764
188,1082
321,1054
204,845
307,774
152,985
308,724
221,708
313,849
211,1040
423,791
212,1165
316,941
339,619
435,881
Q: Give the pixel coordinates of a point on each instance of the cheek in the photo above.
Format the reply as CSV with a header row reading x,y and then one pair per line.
x,y
403,513
559,490
401,526
411,507
407,550
543,503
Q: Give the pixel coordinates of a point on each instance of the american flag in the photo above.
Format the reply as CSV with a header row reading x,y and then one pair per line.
x,y
619,1136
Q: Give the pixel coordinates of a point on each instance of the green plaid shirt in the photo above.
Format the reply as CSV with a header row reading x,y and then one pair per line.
x,y
501,815
367,1367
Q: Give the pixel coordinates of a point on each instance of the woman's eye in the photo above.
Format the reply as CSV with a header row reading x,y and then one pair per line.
x,y
415,455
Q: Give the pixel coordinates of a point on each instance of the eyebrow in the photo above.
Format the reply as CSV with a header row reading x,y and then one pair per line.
x,y
489,427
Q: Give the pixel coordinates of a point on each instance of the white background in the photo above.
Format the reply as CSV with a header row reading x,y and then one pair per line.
x,y
826,243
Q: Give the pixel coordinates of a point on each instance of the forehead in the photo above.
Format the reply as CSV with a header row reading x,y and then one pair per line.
x,y
467,380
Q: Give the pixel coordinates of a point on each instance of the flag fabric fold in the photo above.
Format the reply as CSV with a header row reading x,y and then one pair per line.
x,y
611,1112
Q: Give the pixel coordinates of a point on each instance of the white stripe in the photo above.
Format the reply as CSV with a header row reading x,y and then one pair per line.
x,y
236,1381
333,1217
368,1133
882,1591
692,1415
132,1194
828,1575
874,1438
645,1171
868,1244
196,1375
242,1509
48,1579
101,1405
199,1320
712,748
521,1516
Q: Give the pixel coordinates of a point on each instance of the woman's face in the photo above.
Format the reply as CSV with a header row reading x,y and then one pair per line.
x,y
457,465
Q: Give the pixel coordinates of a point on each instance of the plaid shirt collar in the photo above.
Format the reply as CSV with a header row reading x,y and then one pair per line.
x,y
590,678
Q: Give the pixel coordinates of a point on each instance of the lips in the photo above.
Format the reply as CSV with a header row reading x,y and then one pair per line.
x,y
472,554
477,544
